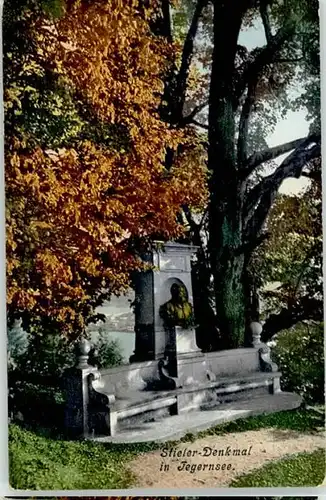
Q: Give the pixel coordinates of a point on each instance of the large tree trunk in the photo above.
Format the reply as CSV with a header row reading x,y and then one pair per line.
x,y
228,271
225,207
252,301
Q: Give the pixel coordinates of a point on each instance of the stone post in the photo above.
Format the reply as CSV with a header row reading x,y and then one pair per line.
x,y
77,393
256,330
264,353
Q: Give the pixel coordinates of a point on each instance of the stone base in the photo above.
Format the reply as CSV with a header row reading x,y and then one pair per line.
x,y
185,341
181,341
183,356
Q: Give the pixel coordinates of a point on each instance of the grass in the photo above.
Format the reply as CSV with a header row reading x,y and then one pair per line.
x,y
303,469
40,462
301,420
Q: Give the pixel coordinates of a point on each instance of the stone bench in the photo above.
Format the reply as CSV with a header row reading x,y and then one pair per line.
x,y
103,402
119,393
122,396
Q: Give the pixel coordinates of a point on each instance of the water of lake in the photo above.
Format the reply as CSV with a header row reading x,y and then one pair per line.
x,y
126,342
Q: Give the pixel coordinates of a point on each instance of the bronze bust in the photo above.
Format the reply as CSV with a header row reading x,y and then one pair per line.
x,y
177,311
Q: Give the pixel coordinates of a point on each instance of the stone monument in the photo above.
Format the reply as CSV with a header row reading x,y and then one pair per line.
x,y
165,326
168,375
171,270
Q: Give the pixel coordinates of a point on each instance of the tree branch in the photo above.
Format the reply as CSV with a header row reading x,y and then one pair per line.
x,y
187,54
166,11
315,176
195,228
244,123
290,59
198,124
192,224
257,159
307,309
265,18
202,221
262,57
197,109
162,24
261,197
249,246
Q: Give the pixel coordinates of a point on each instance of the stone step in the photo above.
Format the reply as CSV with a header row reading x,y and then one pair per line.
x,y
233,383
225,385
176,426
143,406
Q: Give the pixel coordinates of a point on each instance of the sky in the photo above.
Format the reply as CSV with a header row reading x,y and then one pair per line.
x,y
293,127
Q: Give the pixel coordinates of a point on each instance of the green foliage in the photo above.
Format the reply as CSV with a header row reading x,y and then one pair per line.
x,y
51,116
36,381
299,353
17,343
304,469
106,352
55,8
54,355
291,257
182,17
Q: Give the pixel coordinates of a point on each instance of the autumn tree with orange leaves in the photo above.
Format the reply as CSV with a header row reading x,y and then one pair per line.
x,y
86,183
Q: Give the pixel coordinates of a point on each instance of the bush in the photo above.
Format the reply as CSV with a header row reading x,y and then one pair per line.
x,y
35,374
106,352
35,378
299,354
50,355
17,343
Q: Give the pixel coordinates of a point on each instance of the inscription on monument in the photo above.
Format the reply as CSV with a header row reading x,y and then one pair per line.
x,y
175,264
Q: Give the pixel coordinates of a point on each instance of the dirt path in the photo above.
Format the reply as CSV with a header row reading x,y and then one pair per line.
x,y
225,458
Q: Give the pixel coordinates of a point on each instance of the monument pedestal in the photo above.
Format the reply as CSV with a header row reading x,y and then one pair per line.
x,y
181,341
185,362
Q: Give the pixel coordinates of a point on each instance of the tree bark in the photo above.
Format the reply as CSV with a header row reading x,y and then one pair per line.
x,y
226,192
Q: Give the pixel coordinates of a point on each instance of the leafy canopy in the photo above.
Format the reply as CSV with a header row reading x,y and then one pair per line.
x,y
85,149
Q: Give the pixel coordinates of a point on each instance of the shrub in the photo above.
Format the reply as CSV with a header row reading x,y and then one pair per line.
x,y
299,353
49,354
106,352
35,374
17,343
35,378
